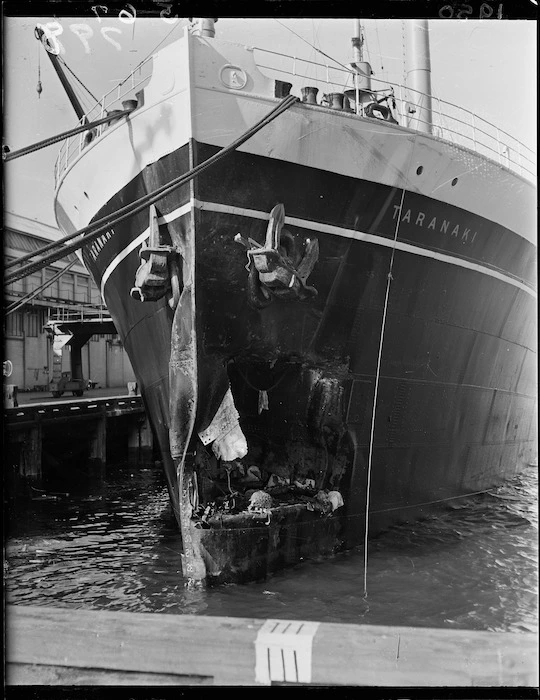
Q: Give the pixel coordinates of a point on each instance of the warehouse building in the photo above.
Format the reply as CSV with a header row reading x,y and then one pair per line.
x,y
27,345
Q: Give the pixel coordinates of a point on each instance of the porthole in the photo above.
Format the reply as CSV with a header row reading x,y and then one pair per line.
x,y
419,169
454,182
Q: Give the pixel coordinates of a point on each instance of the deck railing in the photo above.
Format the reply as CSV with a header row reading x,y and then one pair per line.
x,y
449,121
112,100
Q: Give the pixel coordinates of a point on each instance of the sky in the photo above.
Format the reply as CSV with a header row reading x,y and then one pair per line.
x,y
489,67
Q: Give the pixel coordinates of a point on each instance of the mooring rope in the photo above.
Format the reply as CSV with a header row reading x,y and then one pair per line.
x,y
11,155
376,392
92,231
14,306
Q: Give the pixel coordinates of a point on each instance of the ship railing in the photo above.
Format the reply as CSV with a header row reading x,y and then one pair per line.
x,y
126,89
448,121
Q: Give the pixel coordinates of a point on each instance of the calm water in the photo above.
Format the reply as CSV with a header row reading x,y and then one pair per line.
x,y
113,545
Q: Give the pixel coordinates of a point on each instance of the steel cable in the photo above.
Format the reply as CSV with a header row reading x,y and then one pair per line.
x,y
92,231
31,295
7,155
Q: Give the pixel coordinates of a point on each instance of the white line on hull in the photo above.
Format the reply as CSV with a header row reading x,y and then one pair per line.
x,y
167,218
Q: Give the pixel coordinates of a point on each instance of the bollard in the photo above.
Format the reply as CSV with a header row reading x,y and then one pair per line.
x,y
282,89
309,95
336,100
10,396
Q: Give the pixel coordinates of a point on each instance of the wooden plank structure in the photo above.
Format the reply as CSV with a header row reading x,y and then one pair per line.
x,y
58,646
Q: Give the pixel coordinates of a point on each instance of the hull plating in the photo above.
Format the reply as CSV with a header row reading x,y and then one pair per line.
x,y
455,404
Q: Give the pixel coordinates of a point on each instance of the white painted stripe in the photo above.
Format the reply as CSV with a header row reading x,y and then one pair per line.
x,y
118,259
369,238
165,219
322,228
283,650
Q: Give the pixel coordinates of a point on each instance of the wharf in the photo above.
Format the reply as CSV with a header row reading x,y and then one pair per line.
x,y
35,407
60,646
99,420
33,398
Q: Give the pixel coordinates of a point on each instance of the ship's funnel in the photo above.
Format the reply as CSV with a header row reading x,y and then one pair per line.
x,y
418,72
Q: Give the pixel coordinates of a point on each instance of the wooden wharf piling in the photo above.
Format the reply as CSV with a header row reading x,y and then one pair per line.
x,y
58,646
26,427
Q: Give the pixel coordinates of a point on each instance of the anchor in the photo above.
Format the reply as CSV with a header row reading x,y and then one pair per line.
x,y
278,269
158,271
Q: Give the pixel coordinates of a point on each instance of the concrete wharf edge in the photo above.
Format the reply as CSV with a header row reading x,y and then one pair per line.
x,y
40,407
59,646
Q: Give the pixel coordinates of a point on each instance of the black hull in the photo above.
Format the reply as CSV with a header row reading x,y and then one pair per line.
x,y
455,401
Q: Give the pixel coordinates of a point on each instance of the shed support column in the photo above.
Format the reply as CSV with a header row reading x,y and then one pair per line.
x,y
76,344
98,443
140,441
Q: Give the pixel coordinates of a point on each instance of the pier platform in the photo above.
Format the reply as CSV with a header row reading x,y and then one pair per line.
x,y
32,398
41,422
59,646
75,408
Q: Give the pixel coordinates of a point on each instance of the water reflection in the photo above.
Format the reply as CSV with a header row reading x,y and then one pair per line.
x,y
112,544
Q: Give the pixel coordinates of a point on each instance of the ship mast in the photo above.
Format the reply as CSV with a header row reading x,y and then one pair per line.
x,y
362,69
357,42
418,72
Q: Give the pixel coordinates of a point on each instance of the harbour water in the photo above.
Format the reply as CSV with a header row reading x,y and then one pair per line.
x,y
112,544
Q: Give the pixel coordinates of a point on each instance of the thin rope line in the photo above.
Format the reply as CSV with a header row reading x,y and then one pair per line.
x,y
429,503
273,386
377,376
383,71
354,515
177,24
313,47
78,79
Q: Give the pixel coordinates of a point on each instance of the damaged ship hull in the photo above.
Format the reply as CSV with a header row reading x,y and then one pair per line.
x,y
396,370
